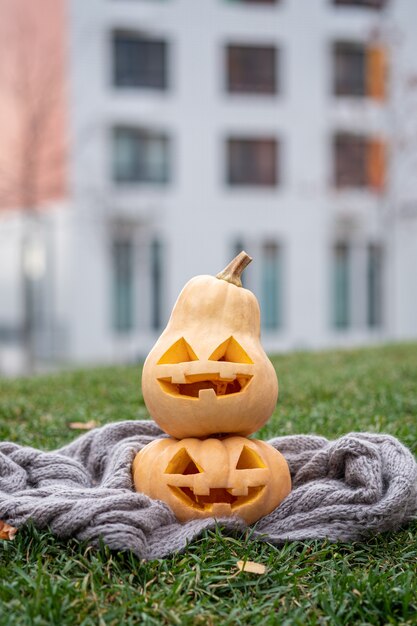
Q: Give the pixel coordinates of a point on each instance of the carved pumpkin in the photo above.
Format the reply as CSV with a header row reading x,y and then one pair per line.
x,y
213,477
208,373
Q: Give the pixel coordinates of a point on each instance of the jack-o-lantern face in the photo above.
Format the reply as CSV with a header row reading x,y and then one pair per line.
x,y
213,477
187,376
208,373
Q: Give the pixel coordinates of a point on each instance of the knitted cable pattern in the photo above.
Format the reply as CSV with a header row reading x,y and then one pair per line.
x,y
345,490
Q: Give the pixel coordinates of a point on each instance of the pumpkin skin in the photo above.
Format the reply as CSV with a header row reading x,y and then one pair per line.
x,y
208,373
214,477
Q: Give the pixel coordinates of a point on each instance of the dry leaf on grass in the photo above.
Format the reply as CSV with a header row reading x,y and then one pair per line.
x,y
83,425
6,531
251,566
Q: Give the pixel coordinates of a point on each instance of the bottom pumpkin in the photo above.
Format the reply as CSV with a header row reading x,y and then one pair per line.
x,y
214,477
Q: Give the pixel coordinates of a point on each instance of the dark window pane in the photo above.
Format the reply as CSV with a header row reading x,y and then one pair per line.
x,y
237,248
252,162
374,284
140,156
255,1
139,62
156,283
341,291
252,69
271,288
349,69
371,4
122,285
350,161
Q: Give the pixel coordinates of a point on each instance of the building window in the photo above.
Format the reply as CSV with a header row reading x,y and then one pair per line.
x,y
350,160
251,69
341,285
140,156
252,162
374,285
156,284
359,70
254,1
358,293
237,247
359,162
139,61
370,4
271,286
122,285
349,69
264,279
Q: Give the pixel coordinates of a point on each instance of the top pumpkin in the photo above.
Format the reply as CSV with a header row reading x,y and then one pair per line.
x,y
208,373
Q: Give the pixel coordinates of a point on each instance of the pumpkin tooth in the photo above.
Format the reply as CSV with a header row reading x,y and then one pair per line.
x,y
207,393
252,495
221,509
239,491
178,378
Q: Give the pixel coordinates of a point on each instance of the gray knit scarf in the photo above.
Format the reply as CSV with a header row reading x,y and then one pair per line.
x,y
342,490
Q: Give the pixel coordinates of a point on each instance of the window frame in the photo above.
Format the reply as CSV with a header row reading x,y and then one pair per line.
x,y
349,87
238,182
266,89
267,3
374,5
275,323
255,279
139,37
341,322
157,272
140,133
127,324
372,176
375,271
341,181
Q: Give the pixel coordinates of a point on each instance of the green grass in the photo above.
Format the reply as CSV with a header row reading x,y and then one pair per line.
x,y
48,581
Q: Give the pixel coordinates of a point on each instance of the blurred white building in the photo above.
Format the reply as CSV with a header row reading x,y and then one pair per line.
x,y
203,128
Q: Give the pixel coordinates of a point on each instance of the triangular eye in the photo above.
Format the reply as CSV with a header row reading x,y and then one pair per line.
x,y
230,350
249,459
182,463
179,352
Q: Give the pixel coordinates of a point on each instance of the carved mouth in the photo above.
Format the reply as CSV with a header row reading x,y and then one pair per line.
x,y
195,384
216,496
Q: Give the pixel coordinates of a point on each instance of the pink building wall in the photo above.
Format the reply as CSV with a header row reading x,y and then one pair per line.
x,y
33,138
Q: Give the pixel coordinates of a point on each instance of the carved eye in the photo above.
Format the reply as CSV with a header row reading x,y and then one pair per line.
x,y
179,352
183,464
230,350
249,459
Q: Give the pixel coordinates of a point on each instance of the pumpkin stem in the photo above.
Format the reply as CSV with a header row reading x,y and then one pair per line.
x,y
233,271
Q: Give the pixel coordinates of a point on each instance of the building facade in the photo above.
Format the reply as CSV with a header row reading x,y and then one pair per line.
x,y
202,128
